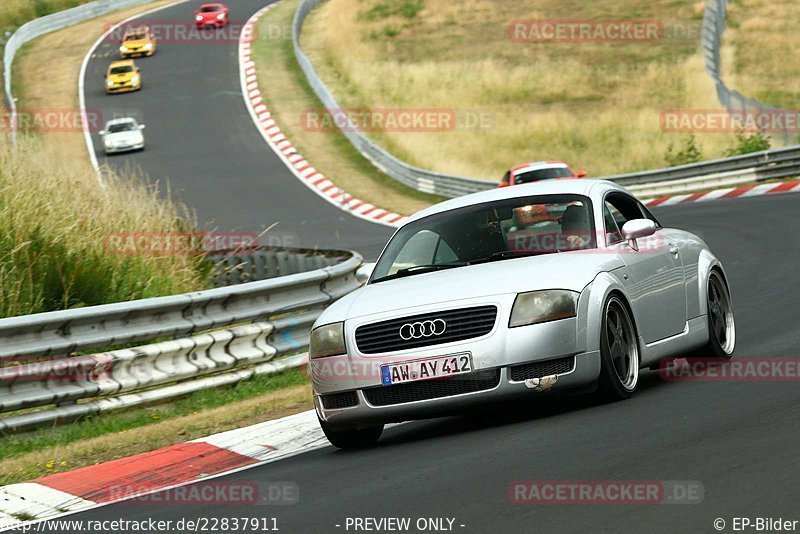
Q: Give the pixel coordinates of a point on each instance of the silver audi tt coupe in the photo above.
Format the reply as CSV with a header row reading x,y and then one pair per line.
x,y
513,292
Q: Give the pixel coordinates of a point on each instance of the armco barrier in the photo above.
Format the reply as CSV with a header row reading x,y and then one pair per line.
x,y
43,25
714,22
44,363
763,165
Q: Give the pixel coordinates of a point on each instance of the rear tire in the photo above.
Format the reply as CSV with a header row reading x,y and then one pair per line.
x,y
351,438
721,324
619,352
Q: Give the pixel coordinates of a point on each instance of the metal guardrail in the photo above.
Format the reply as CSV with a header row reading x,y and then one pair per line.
x,y
46,373
763,165
43,25
420,179
714,22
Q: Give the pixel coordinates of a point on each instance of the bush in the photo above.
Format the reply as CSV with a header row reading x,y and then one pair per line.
x,y
688,153
746,144
54,225
394,8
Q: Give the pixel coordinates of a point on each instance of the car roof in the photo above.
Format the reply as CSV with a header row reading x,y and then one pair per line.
x,y
568,186
122,63
120,121
534,165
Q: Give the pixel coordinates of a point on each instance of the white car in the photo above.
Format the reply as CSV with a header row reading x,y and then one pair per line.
x,y
122,135
517,291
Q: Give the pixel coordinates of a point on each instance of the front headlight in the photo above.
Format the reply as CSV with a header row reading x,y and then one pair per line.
x,y
123,48
109,143
221,16
148,46
199,18
542,306
327,340
110,83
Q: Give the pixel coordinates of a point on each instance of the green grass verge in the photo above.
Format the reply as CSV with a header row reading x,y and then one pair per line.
x,y
16,445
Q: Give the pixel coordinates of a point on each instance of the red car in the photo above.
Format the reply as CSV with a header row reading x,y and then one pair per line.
x,y
536,171
211,15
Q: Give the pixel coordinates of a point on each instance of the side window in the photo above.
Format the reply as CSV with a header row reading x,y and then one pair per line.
x,y
649,215
613,233
625,208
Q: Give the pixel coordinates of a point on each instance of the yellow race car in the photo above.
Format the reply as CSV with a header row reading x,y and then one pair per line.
x,y
122,77
138,42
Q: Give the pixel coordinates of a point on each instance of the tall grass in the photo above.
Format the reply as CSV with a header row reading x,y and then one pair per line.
x,y
596,105
14,13
764,45
54,219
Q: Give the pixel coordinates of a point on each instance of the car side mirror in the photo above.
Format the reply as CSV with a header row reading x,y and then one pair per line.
x,y
580,174
502,184
364,272
141,126
637,228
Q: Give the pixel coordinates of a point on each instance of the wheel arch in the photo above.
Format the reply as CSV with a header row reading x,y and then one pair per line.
x,y
706,264
592,308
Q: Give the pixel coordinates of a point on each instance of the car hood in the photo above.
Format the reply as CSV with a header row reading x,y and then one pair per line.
x,y
135,44
120,78
124,137
570,270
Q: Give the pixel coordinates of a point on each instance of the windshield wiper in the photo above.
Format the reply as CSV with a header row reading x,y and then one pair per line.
x,y
419,269
500,255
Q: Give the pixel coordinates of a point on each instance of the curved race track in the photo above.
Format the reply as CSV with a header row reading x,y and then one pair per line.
x,y
202,142
739,440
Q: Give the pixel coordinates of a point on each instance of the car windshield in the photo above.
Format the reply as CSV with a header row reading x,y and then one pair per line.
x,y
210,9
492,231
136,37
121,70
121,127
542,174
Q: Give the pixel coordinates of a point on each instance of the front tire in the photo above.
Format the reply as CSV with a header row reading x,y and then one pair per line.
x,y
351,438
619,352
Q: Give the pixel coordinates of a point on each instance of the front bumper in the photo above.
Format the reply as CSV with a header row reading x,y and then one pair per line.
x,y
211,24
585,371
123,88
121,149
500,350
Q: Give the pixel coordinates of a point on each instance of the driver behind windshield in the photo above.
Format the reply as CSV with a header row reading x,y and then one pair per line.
x,y
575,226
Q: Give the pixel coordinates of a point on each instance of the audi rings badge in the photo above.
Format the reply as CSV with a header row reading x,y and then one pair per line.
x,y
421,329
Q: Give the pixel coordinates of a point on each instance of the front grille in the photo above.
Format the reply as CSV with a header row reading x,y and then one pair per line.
x,y
461,324
433,389
335,401
559,366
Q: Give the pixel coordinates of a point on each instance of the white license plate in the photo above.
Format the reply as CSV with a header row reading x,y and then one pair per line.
x,y
397,373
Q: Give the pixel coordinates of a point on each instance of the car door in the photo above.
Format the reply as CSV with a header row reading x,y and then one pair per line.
x,y
655,270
